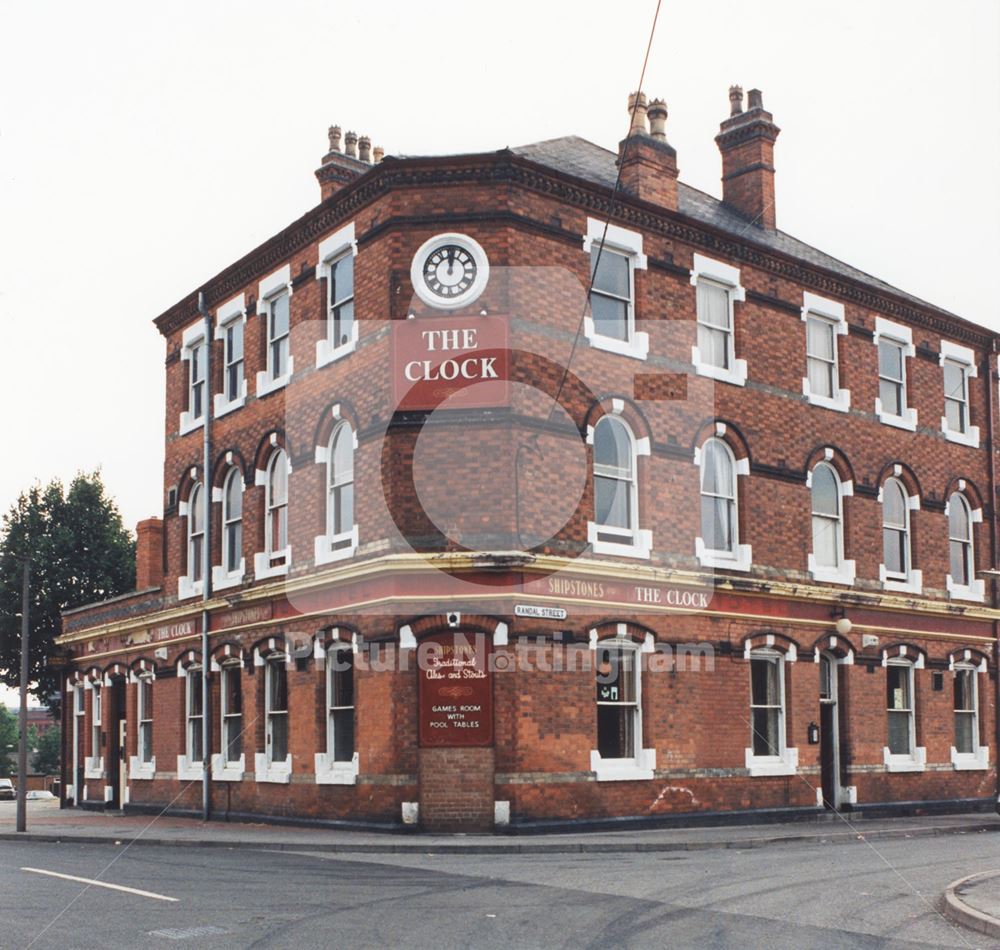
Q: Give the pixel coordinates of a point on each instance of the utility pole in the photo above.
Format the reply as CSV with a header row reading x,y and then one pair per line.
x,y
22,742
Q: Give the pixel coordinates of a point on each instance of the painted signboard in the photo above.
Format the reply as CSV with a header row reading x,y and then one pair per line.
x,y
456,690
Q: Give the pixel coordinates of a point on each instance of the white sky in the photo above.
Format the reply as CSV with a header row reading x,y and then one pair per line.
x,y
145,147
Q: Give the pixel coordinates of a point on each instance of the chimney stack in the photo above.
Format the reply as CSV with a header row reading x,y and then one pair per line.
x,y
746,141
339,168
648,163
149,554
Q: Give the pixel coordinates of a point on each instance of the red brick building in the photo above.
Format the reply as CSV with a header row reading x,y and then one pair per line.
x,y
481,552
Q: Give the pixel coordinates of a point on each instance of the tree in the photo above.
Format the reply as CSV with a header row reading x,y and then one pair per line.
x,y
48,749
8,741
80,553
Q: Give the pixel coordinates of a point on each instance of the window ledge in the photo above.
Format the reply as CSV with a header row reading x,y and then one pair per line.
x,y
623,770
976,592
764,765
324,551
188,424
93,767
327,353
640,547
737,376
839,403
971,761
742,560
845,574
223,581
227,771
262,566
189,771
637,347
187,588
913,584
277,772
141,771
265,384
908,420
224,407
917,762
969,437
331,772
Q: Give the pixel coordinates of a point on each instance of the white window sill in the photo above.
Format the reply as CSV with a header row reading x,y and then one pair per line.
x,y
188,588
324,551
265,384
913,584
971,761
908,420
736,375
188,424
141,771
327,353
623,770
279,773
970,437
93,767
764,765
227,771
839,403
189,771
742,560
637,347
330,772
917,762
845,574
976,593
262,566
224,407
223,581
639,546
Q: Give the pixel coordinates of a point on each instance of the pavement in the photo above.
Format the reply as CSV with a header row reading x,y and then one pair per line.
x,y
975,902
47,822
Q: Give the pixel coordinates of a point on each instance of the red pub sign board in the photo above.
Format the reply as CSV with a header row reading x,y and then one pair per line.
x,y
456,690
465,361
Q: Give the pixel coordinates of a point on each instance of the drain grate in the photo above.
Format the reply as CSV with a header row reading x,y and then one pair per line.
x,y
187,933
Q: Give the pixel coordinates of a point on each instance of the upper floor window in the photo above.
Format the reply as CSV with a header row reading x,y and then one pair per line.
x,y
615,255
895,531
197,391
230,320
232,523
962,582
196,535
336,267
958,366
825,321
615,528
194,354
895,345
717,288
718,544
341,538
276,504
827,561
275,305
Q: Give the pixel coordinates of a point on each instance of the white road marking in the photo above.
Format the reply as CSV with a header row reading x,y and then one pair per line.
x,y
113,887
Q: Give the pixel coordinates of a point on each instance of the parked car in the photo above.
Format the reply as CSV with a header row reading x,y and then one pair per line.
x,y
7,790
37,795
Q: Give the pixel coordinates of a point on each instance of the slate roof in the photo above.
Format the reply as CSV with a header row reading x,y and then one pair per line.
x,y
576,156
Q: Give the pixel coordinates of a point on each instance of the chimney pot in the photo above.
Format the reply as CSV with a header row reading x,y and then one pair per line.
x,y
735,100
378,153
334,134
365,149
351,143
657,113
637,111
755,99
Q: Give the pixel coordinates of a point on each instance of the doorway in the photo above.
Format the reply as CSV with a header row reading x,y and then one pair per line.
x,y
116,746
829,730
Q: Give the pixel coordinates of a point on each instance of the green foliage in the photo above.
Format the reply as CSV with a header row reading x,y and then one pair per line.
x,y
47,749
8,742
80,553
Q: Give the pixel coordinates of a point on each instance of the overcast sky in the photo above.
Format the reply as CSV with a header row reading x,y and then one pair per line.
x,y
145,147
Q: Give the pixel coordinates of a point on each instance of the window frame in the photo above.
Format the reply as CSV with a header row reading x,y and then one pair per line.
x,y
224,766
845,570
336,248
901,337
267,767
225,574
728,278
270,290
195,539
911,579
832,314
740,556
975,589
193,718
785,762
979,758
965,359
276,557
141,767
332,545
96,727
193,343
915,760
230,315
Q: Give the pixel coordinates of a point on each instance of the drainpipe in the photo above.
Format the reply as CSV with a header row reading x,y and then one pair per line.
x,y
991,383
206,587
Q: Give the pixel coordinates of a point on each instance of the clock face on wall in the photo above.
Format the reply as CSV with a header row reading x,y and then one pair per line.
x,y
449,271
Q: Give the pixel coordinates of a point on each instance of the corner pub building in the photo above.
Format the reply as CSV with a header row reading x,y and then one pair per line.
x,y
471,551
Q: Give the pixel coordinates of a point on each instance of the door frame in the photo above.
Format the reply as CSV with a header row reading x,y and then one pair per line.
x,y
116,745
836,800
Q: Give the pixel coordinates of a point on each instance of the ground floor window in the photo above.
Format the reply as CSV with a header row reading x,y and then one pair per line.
x,y
276,709
145,718
340,704
232,713
617,702
767,704
899,703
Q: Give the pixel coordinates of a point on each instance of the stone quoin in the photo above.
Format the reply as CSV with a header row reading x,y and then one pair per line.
x,y
529,502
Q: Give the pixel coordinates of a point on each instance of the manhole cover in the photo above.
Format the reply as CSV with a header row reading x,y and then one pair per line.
x,y
187,933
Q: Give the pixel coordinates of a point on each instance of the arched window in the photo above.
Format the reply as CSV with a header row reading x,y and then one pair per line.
x,y
895,530
960,540
827,518
196,536
232,522
340,488
719,526
276,504
615,495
